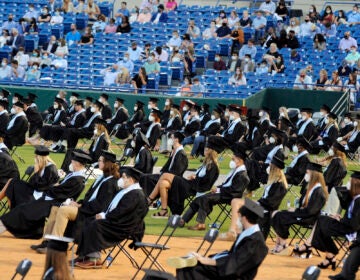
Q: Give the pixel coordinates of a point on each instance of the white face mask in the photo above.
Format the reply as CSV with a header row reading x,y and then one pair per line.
x,y
132,143
355,124
185,108
307,177
35,67
272,140
58,96
322,114
101,100
331,152
151,118
213,117
13,111
261,113
92,109
326,121
56,106
116,105
295,149
120,183
346,121
226,114
268,170
231,118
167,103
3,64
299,116
71,167
232,164
135,108
14,101
149,106
72,98
95,131
303,118
348,184
170,142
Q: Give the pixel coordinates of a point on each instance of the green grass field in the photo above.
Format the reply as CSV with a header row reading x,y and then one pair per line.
x,y
155,226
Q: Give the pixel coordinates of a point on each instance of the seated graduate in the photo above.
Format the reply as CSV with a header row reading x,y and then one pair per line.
x,y
4,115
124,218
264,123
8,167
28,220
127,128
153,131
324,112
311,202
252,138
34,117
173,189
174,123
143,157
326,227
192,124
351,141
44,176
305,127
240,262
327,136
96,200
274,192
176,164
120,116
296,170
234,186
347,126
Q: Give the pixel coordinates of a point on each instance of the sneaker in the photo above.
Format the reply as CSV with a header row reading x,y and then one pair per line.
x,y
41,250
42,245
181,262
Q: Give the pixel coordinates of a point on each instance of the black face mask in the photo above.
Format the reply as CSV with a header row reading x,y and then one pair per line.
x,y
306,20
346,36
224,24
72,29
10,19
134,49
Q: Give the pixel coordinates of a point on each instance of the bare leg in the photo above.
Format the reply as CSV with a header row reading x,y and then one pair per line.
x,y
164,177
2,193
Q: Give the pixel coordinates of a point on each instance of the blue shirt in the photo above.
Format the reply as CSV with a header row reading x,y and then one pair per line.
x,y
245,49
257,22
354,17
75,37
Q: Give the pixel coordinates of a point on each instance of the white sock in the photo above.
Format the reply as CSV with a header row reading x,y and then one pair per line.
x,y
2,227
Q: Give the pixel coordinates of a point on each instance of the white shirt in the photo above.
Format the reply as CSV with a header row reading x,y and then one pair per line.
x,y
56,19
109,76
268,7
60,63
134,54
22,59
5,72
174,42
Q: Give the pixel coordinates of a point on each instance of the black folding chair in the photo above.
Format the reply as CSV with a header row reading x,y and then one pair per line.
x,y
209,239
13,153
22,268
28,172
152,251
224,214
302,232
128,153
344,248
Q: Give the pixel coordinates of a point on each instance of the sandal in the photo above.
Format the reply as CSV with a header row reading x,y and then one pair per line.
x,y
307,250
331,262
162,214
280,249
149,201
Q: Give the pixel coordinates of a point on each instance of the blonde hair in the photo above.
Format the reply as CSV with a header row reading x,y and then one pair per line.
x,y
41,162
315,178
332,121
284,110
102,129
211,158
277,175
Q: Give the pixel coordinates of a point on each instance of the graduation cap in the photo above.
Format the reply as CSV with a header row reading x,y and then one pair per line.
x,y
100,121
307,110
218,110
277,132
4,103
266,109
77,95
196,108
177,107
348,115
213,144
98,104
355,174
18,96
139,103
332,115
339,147
235,108
205,106
325,108
190,102
118,99
255,208
5,92
59,100
153,99
32,96
238,151
81,157
108,156
301,140
58,243
105,96
179,135
157,112
41,150
131,172
89,98
79,102
314,166
278,162
141,139
222,106
19,104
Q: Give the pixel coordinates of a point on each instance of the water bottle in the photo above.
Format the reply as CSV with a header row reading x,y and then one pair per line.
x,y
214,225
109,260
297,203
288,204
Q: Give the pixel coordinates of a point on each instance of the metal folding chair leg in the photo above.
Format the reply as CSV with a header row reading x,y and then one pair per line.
x,y
15,154
121,249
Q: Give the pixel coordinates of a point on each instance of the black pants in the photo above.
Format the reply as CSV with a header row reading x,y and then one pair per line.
x,y
352,264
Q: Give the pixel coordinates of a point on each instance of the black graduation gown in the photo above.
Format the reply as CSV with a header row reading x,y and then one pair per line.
x,y
125,221
182,188
19,191
154,135
180,164
144,161
27,220
282,221
4,120
335,173
16,134
327,140
346,129
175,125
234,136
264,127
121,116
354,144
191,127
101,145
126,129
212,129
328,227
35,120
106,112
204,118
294,175
8,169
241,263
165,117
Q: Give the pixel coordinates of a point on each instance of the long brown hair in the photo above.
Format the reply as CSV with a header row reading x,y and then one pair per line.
x,y
354,187
111,169
211,158
102,129
315,178
277,175
58,261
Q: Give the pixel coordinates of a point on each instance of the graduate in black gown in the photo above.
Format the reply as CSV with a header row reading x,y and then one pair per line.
x,y
120,116
311,202
234,186
4,115
143,157
45,175
173,190
127,128
153,131
124,218
327,227
34,117
348,125
8,167
27,220
240,262
351,141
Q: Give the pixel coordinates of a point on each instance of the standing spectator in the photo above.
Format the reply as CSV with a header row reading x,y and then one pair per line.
x,y
193,30
259,24
87,38
123,11
354,16
139,80
144,16
92,10
335,84
5,69
22,58
353,56
249,48
171,5
62,50
68,6
16,70
292,42
328,16
15,41
175,41
44,17
31,13
323,78
219,64
319,42
233,19
268,7
303,81
151,65
237,36
57,18
341,18
210,32
281,11
110,74
347,42
245,20
160,16
188,61
313,14
32,27
124,26
161,55
247,65
175,56
111,27
134,52
33,74
73,37
294,25
238,79
223,32
186,42
99,25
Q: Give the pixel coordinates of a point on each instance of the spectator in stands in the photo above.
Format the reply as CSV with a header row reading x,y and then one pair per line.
x,y
175,41
124,26
271,37
277,65
281,11
110,27
353,85
59,62
185,88
123,76
16,70
188,60
313,14
220,18
341,18
123,11
344,69
134,52
160,16
238,79
307,28
10,23
139,80
154,5
319,42
237,36
145,4
126,62
73,37
146,52
33,73
335,84
294,25
219,64
45,60
354,16
223,32
51,46
57,18
245,20
35,57
259,24
353,56
323,78
303,81
62,50
80,8
87,38
92,10
45,16
151,65
249,48
292,42
171,5
328,29
32,27
161,55
233,19
144,16
271,54
15,41
262,68
22,58
99,25
175,56
31,13
328,16
197,88
268,7
247,65
210,32
68,6
110,74
193,31
295,56
233,62
347,42
186,42
5,69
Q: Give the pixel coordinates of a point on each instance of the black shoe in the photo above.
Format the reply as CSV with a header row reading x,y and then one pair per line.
x,y
336,277
41,250
331,263
42,245
61,149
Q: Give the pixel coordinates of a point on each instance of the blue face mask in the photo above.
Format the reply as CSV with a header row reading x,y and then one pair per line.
x,y
113,70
